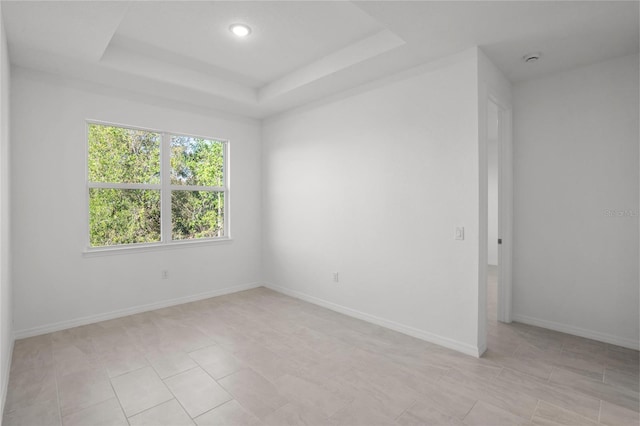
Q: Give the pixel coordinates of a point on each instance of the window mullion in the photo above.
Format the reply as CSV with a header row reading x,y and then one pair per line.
x,y
109,185
165,196
197,188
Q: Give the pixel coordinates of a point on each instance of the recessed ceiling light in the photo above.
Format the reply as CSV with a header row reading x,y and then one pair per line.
x,y
240,30
532,57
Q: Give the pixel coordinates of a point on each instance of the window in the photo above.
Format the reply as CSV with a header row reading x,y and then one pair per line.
x,y
154,188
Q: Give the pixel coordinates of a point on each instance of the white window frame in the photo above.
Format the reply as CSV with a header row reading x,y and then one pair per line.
x,y
165,187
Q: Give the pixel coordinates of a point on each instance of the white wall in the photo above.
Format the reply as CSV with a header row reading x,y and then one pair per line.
x,y
372,186
576,156
55,286
6,305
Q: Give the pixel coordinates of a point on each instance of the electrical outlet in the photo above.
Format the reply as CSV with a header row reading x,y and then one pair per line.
x,y
164,274
336,277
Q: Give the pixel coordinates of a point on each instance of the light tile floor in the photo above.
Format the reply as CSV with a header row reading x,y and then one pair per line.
x,y
261,358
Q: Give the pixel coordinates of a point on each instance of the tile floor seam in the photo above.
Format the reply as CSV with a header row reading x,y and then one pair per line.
x,y
494,379
55,378
470,410
514,352
447,370
176,374
534,411
209,374
210,410
138,412
118,399
146,409
126,372
55,374
217,406
180,403
220,378
405,410
565,409
233,396
451,415
342,409
599,412
551,374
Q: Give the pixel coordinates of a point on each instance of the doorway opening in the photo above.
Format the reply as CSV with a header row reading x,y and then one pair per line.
x,y
493,206
499,211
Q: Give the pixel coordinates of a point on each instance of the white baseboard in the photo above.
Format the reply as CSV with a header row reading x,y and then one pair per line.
x,y
5,377
401,328
63,325
577,331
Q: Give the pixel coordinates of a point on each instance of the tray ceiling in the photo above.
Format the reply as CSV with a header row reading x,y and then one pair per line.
x,y
303,51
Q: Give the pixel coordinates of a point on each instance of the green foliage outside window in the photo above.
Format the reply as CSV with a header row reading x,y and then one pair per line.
x,y
196,161
197,214
123,216
119,215
119,155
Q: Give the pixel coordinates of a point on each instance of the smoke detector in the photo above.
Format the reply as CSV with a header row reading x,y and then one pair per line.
x,y
532,57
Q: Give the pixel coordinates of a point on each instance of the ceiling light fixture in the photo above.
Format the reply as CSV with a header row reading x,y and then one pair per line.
x,y
532,57
240,30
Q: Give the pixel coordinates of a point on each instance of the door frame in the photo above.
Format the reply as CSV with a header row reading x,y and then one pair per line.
x,y
505,208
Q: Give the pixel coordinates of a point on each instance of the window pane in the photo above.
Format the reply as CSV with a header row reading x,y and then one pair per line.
x,y
197,214
123,216
196,161
119,155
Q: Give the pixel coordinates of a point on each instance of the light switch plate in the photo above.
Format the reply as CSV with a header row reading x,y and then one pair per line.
x,y
459,233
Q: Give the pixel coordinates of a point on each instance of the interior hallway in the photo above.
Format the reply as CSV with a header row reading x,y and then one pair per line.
x,y
492,296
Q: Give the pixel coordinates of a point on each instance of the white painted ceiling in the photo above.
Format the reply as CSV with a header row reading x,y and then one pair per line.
x,y
301,51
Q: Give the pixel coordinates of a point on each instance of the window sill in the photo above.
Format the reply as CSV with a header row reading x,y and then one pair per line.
x,y
144,248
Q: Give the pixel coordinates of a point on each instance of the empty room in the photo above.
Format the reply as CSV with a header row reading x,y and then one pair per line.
x,y
319,213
